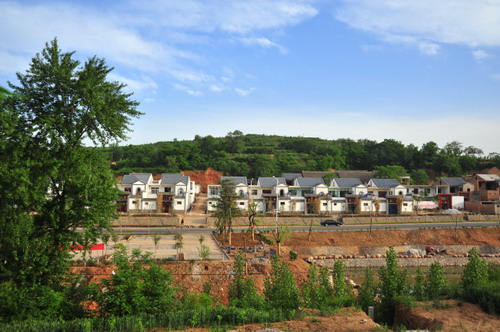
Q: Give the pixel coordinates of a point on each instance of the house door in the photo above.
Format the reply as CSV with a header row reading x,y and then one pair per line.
x,y
166,207
393,208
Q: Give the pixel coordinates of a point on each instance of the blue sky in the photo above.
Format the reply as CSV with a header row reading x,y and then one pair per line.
x,y
412,70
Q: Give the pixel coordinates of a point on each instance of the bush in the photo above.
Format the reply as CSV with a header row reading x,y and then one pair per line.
x,y
293,255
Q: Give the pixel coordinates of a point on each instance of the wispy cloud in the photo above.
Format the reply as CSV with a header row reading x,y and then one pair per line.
x,y
244,92
150,38
189,91
263,42
426,24
480,55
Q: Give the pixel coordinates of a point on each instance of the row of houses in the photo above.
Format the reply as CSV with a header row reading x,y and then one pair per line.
x,y
295,193
166,193
310,194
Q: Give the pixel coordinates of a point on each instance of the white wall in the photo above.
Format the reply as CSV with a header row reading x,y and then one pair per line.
x,y
458,202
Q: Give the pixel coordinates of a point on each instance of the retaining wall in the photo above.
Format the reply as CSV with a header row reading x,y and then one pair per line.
x,y
145,221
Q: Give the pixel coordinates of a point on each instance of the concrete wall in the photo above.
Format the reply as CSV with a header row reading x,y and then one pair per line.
x,y
402,219
143,221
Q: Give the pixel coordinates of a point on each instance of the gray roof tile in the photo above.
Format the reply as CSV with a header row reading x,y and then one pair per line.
x,y
347,182
386,183
309,182
134,177
454,182
236,179
174,178
269,181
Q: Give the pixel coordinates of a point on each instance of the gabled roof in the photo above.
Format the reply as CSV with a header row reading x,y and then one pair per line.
x,y
385,183
309,182
289,177
174,178
489,177
347,182
269,181
236,179
363,175
454,182
136,177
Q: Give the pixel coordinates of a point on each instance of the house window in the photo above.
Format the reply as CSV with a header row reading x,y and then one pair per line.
x,y
242,193
209,203
242,203
365,204
214,191
134,202
254,192
335,204
400,193
168,189
179,202
154,190
325,204
405,204
282,203
128,189
267,192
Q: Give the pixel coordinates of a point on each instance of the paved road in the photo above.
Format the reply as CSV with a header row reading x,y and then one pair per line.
x,y
171,230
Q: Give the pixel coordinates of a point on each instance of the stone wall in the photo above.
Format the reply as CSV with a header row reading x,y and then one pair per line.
x,y
269,221
145,221
401,219
483,217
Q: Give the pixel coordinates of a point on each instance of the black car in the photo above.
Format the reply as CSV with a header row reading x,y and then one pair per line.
x,y
328,222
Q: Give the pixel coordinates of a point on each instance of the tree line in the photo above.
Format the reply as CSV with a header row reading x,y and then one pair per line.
x,y
254,155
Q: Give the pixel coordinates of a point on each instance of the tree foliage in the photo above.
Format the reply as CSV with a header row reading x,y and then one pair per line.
x,y
280,287
50,183
226,209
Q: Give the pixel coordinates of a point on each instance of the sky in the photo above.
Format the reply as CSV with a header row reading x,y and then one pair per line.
x,y
411,70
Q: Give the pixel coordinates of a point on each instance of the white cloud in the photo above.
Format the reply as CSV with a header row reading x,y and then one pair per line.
x,y
146,83
426,23
236,16
244,92
149,38
189,91
263,42
217,88
496,77
480,55
428,48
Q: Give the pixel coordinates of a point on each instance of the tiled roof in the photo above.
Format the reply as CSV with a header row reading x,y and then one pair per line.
x,y
270,181
291,176
454,182
174,178
347,182
309,182
236,179
135,177
385,183
489,177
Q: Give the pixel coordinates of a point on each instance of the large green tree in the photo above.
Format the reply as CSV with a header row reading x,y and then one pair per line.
x,y
51,184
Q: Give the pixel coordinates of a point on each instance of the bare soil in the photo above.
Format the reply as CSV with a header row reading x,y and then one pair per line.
x,y
191,276
454,316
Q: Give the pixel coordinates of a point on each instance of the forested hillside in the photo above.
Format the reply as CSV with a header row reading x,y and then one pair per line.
x,y
263,155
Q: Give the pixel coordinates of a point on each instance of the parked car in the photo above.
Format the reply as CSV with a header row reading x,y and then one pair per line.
x,y
328,222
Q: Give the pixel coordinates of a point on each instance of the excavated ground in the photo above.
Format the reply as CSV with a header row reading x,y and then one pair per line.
x,y
191,275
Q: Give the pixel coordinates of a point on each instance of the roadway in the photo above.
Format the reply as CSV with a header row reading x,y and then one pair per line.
x,y
364,227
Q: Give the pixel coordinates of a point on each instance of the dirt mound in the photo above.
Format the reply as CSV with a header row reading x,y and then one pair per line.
x,y
474,236
452,316
346,319
204,178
